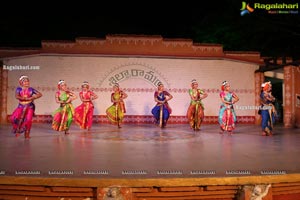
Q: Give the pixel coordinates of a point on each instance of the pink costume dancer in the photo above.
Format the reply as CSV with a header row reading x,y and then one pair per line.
x,y
21,118
227,116
84,112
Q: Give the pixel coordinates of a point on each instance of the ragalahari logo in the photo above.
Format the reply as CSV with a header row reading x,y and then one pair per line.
x,y
246,9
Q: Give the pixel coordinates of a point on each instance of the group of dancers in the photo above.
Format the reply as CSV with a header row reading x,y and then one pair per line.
x,y
63,117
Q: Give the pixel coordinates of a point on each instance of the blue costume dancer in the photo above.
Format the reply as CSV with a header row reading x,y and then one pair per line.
x,y
267,109
162,110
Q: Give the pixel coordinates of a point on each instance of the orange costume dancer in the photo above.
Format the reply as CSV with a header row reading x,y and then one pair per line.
x,y
84,112
195,111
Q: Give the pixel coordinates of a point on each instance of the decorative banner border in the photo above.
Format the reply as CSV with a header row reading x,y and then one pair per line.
x,y
145,90
146,119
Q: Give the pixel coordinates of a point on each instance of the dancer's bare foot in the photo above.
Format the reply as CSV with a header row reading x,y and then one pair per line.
x,y
270,134
27,135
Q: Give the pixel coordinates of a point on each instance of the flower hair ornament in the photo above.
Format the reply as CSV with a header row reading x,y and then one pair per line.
x,y
61,82
85,83
194,82
225,83
22,78
265,83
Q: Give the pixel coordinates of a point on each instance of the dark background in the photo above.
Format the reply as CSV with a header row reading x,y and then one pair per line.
x,y
275,35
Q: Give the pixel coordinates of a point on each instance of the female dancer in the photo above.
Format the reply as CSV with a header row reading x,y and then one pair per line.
x,y
21,118
227,116
162,110
63,116
267,110
115,112
195,111
84,112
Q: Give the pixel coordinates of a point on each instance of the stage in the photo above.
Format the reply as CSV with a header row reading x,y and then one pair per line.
x,y
147,151
143,161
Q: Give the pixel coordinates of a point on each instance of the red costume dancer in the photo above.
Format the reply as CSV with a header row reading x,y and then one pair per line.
x,y
84,112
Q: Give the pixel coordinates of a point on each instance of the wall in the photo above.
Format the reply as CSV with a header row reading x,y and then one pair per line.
x,y
133,73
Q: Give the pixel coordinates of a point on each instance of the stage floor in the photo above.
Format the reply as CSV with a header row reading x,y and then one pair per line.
x,y
147,151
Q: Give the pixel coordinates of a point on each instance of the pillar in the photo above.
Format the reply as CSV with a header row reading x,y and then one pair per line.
x,y
289,97
297,97
3,94
259,79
